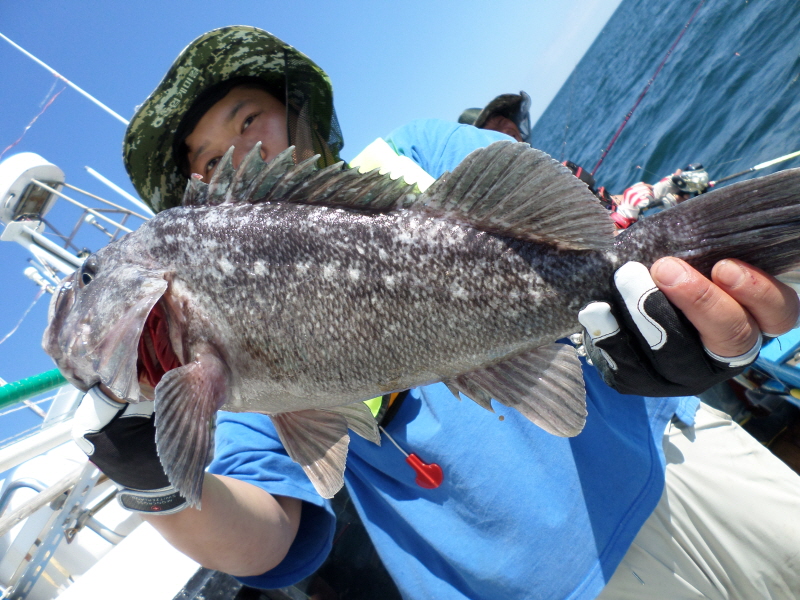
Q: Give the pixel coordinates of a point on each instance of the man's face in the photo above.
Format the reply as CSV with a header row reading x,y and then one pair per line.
x,y
503,125
241,119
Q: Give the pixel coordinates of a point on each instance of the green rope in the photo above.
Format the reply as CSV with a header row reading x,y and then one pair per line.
x,y
17,391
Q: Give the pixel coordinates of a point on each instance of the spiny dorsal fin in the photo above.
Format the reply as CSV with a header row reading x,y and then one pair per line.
x,y
508,189
296,177
514,190
222,179
281,180
250,167
268,176
196,193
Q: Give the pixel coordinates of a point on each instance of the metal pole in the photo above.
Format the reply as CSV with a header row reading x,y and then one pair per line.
x,y
79,205
41,499
119,190
117,207
67,81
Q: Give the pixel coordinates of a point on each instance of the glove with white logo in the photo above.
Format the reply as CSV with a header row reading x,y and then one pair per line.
x,y
643,345
120,439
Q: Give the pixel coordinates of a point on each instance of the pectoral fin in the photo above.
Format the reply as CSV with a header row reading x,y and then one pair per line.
x,y
187,399
545,385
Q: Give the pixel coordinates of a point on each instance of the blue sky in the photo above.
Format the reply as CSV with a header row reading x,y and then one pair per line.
x,y
390,62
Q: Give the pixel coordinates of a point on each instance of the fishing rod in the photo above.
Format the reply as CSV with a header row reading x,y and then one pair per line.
x,y
758,167
646,89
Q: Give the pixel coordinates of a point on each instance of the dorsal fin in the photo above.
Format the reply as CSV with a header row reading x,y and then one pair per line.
x,y
508,188
196,193
517,191
222,179
250,167
268,176
281,180
338,186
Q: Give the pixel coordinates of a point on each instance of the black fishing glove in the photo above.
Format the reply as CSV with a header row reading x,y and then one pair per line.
x,y
643,345
120,439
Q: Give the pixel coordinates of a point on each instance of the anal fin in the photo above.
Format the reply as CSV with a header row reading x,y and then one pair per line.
x,y
359,418
317,440
545,385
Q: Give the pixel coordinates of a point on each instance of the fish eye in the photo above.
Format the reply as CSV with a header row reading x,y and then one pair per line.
x,y
88,271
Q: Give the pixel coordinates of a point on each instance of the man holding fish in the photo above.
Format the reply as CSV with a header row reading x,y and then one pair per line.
x,y
520,513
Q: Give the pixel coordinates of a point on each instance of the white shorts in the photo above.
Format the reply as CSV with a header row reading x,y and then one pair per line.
x,y
726,527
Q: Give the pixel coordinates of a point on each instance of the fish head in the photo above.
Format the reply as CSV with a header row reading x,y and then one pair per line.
x,y
96,318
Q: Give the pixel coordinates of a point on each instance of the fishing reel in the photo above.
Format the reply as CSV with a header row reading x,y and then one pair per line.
x,y
692,180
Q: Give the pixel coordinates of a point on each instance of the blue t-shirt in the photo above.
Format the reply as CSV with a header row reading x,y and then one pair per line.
x,y
520,513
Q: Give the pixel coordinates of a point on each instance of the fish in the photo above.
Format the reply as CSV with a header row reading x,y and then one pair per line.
x,y
299,292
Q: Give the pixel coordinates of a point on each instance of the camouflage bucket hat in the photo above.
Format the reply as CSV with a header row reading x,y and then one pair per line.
x,y
215,57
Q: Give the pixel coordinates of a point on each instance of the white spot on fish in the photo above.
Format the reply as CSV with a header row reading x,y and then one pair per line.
x,y
226,266
458,292
209,244
354,274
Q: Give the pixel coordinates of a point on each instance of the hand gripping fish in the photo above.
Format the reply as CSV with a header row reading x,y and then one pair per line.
x,y
296,292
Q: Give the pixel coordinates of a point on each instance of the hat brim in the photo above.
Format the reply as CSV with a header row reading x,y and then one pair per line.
x,y
214,57
502,104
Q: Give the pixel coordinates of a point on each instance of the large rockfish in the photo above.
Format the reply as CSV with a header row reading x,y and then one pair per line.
x,y
297,292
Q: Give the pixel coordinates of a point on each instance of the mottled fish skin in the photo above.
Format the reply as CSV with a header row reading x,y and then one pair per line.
x,y
303,292
314,306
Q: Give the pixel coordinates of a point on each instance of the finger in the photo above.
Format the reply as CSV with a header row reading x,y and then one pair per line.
x,y
726,328
774,305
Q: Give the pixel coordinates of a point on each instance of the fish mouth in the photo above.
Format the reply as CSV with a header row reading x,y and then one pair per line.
x,y
155,353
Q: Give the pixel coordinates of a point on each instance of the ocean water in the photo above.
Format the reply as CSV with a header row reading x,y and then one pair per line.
x,y
728,96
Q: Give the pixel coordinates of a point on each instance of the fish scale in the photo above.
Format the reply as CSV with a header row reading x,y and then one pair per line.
x,y
338,299
303,292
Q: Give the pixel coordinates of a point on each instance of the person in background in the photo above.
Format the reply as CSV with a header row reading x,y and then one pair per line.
x,y
510,114
670,191
507,113
655,498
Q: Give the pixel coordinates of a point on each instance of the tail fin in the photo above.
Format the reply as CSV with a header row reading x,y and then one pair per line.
x,y
757,221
